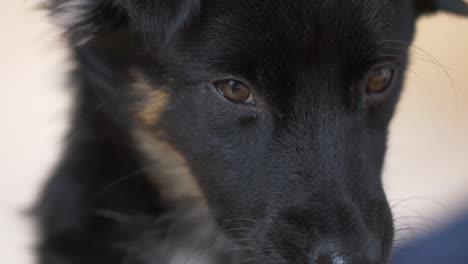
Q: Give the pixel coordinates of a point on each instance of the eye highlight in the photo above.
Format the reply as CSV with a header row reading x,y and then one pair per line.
x,y
234,90
379,80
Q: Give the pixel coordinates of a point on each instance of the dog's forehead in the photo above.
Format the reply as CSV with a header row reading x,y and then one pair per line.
x,y
301,20
277,35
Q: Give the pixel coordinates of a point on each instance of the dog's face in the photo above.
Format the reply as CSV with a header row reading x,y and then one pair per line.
x,y
278,109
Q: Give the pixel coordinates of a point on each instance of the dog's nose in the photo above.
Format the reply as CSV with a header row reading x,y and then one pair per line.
x,y
333,255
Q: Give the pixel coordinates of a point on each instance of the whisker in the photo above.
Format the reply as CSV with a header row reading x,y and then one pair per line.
x,y
240,248
404,239
238,229
432,58
236,219
437,62
418,198
420,217
412,228
215,246
113,215
243,261
119,181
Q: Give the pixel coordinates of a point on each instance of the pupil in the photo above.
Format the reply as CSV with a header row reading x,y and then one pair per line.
x,y
235,89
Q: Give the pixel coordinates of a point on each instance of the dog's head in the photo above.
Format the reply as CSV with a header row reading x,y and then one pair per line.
x,y
278,109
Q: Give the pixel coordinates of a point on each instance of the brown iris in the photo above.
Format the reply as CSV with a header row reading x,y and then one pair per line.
x,y
379,80
233,90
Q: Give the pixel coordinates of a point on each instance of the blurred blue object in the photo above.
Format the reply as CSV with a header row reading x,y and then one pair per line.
x,y
448,246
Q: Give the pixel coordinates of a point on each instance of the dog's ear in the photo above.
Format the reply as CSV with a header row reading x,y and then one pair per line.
x,y
459,7
157,20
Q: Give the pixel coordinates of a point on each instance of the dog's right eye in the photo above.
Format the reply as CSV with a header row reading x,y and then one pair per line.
x,y
235,91
379,80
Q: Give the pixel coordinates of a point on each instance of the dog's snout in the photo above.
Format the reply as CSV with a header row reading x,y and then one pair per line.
x,y
332,254
328,228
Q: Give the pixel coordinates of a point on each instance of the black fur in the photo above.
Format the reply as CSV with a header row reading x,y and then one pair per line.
x,y
295,178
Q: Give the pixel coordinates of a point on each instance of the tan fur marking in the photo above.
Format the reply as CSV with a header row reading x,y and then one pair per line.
x,y
141,82
150,110
167,167
170,171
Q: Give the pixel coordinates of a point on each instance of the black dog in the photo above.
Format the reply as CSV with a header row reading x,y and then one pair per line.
x,y
228,131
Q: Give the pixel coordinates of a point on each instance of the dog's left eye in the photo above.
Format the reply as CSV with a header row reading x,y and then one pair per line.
x,y
379,80
234,90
